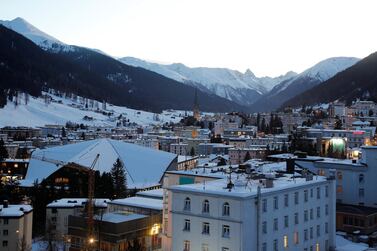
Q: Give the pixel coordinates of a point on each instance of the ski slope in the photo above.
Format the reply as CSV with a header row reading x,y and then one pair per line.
x,y
61,110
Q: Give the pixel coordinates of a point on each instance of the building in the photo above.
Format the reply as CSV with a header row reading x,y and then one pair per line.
x,y
238,155
16,223
264,212
179,149
129,221
58,163
58,211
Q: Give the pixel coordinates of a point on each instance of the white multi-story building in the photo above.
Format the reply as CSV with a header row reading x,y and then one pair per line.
x,y
179,149
16,223
261,213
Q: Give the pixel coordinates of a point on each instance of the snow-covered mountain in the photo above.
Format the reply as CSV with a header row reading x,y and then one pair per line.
x,y
243,88
40,38
304,81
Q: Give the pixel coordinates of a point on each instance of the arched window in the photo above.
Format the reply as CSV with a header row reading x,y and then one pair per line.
x,y
226,209
361,178
187,204
205,208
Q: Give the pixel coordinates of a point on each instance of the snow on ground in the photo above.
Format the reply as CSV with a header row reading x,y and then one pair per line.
x,y
343,244
61,110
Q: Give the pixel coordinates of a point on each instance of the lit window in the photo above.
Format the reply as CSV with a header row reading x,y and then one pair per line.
x,y
339,188
186,245
295,238
339,175
205,247
285,241
317,247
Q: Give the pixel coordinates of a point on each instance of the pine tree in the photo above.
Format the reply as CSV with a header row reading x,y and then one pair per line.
x,y
247,156
118,175
3,150
64,134
192,151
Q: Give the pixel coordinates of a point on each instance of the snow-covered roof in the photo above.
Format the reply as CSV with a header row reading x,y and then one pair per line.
x,y
154,193
140,202
14,210
244,188
76,202
138,161
118,217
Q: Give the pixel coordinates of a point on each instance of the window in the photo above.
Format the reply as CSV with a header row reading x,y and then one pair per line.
x,y
276,225
285,241
318,192
318,230
5,243
286,200
187,205
317,247
361,178
327,209
6,221
339,189
5,232
327,191
286,221
306,234
318,212
205,228
264,246
339,175
186,245
275,245
296,218
306,215
311,214
306,195
54,210
187,225
205,247
311,233
295,237
224,249
264,227
226,231
205,208
276,202
226,209
296,198
326,227
264,205
361,192
311,193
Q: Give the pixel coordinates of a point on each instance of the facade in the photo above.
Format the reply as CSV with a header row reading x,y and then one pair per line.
x,y
58,211
238,155
16,222
179,149
282,214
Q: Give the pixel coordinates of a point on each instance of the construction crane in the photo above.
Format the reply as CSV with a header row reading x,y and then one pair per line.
x,y
90,205
91,182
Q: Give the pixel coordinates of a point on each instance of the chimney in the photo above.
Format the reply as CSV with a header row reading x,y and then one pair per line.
x,y
290,166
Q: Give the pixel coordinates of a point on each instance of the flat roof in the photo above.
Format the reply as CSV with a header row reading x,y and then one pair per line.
x,y
140,202
244,188
117,217
15,210
76,202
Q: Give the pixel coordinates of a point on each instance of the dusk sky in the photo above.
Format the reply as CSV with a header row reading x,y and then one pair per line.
x,y
269,37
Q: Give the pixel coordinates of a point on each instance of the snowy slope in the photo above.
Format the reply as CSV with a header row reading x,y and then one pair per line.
x,y
40,38
227,83
61,110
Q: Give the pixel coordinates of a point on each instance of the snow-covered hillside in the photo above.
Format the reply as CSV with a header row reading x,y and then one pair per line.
x,y
40,38
58,111
227,83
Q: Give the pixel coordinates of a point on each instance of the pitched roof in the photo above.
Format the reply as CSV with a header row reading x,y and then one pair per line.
x,y
138,161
